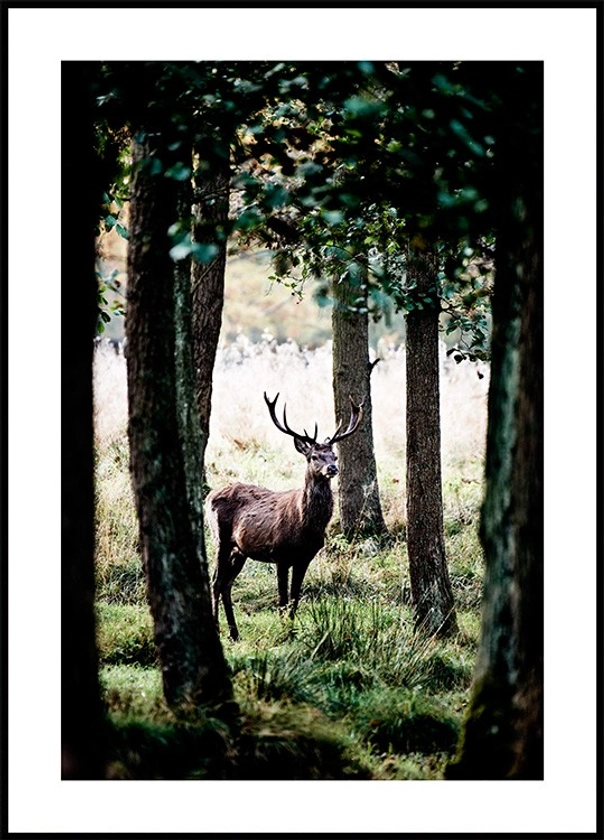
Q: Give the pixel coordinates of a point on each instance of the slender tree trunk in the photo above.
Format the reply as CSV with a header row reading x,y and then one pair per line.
x,y
359,498
429,577
188,419
503,732
165,461
82,721
211,215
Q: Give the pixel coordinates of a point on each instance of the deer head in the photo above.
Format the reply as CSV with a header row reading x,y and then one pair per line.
x,y
320,456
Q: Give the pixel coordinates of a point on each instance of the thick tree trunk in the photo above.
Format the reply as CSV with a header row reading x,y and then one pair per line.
x,y
359,498
211,213
503,732
165,461
503,735
82,722
429,577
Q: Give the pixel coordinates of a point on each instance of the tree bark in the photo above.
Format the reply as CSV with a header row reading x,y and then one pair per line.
x,y
503,735
358,491
164,442
82,720
503,732
431,591
211,215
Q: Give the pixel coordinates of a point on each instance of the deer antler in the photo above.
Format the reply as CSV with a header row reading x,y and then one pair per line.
x,y
284,427
356,414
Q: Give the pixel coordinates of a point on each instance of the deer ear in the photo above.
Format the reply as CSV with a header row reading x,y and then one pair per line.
x,y
302,447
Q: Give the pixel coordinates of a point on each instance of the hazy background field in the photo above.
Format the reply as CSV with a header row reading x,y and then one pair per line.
x,y
271,341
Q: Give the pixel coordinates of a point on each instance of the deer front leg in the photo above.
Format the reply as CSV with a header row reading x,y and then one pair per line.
x,y
298,571
282,574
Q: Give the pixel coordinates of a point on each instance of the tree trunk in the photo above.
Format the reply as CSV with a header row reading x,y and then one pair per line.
x,y
429,577
189,433
165,461
211,213
359,498
503,732
82,722
503,735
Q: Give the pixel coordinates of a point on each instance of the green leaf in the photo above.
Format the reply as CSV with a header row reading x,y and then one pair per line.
x,y
309,168
332,217
359,106
276,196
205,252
181,250
249,219
366,67
179,172
461,131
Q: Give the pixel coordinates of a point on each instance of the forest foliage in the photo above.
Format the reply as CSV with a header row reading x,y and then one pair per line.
x,y
360,174
338,169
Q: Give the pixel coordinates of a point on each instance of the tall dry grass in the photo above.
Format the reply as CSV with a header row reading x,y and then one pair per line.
x,y
304,379
245,445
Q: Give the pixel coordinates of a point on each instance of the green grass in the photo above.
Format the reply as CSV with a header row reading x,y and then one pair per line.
x,y
351,691
125,634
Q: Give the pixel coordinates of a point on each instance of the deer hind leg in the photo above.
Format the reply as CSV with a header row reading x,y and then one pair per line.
x,y
220,572
236,563
223,572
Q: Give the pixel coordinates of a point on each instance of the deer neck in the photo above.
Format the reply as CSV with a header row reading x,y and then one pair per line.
x,y
317,502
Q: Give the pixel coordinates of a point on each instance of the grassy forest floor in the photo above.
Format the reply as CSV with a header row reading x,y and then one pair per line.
x,y
354,692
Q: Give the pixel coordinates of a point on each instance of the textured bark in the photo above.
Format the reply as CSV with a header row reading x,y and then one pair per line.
x,y
503,732
429,577
82,722
211,211
165,461
358,491
503,736
189,433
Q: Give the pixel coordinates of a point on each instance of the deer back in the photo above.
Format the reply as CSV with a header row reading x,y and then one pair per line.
x,y
264,524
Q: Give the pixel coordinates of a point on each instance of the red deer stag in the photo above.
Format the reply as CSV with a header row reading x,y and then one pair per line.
x,y
286,528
